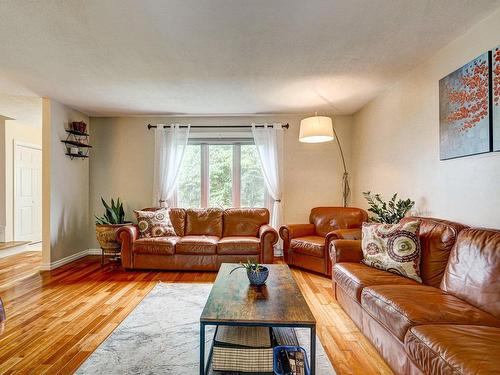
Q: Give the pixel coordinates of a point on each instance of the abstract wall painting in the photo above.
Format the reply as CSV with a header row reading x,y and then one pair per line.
x,y
495,72
464,110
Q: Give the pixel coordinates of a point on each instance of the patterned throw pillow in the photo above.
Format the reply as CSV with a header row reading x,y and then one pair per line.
x,y
393,247
154,223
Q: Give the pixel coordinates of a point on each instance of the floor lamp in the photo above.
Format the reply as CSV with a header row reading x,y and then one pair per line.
x,y
318,129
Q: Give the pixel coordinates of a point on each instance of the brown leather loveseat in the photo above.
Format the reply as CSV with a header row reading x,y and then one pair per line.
x,y
205,239
450,324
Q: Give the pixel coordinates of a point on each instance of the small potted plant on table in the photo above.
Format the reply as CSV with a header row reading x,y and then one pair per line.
x,y
257,273
106,227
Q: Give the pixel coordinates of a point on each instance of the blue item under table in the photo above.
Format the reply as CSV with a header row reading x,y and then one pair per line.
x,y
290,351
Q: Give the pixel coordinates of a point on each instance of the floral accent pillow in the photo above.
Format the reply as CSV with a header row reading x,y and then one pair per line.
x,y
393,248
154,223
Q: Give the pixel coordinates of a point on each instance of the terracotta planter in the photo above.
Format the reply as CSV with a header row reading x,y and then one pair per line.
x,y
106,235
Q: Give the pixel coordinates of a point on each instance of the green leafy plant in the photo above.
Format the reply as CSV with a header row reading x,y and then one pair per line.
x,y
114,213
249,266
390,212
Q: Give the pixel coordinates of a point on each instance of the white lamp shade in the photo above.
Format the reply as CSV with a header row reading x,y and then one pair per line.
x,y
316,129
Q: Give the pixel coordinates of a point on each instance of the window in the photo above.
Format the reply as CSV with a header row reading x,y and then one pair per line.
x,y
221,175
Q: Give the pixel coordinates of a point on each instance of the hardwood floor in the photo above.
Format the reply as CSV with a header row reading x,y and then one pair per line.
x,y
56,319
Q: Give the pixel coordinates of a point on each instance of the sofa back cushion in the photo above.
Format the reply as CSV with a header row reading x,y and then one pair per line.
x,y
244,221
437,238
326,219
177,218
473,270
204,221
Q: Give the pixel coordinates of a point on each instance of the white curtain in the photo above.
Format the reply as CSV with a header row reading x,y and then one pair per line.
x,y
170,145
269,142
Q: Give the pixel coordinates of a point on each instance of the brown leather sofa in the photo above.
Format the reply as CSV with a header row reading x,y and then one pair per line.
x,y
205,239
449,324
306,245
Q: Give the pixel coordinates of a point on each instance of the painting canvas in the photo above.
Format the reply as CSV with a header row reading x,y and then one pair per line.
x,y
495,69
464,118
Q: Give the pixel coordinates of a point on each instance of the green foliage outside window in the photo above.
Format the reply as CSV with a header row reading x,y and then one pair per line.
x,y
220,172
220,175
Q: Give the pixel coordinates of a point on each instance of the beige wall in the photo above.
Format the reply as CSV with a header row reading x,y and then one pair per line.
x,y
65,188
396,142
16,131
122,163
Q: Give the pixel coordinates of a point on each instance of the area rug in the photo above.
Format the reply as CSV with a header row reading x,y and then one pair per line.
x,y
161,336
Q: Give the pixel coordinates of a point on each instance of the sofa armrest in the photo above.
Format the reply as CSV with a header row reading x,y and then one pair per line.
x,y
346,251
268,238
348,234
126,236
287,232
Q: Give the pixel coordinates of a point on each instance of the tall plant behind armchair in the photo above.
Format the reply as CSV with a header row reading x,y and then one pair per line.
x,y
390,212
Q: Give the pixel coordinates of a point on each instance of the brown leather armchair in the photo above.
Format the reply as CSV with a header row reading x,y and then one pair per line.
x,y
306,245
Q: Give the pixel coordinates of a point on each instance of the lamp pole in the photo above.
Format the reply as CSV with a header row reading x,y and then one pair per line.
x,y
346,189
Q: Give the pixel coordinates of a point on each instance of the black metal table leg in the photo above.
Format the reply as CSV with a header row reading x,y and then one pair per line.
x,y
313,350
202,349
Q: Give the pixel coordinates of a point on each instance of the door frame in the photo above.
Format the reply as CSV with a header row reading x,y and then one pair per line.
x,y
14,178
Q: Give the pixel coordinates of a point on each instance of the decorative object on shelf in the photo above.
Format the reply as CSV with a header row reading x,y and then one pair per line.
x,y
495,72
79,126
320,129
390,212
77,141
106,227
257,273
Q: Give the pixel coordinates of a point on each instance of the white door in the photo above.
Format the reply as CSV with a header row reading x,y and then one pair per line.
x,y
27,193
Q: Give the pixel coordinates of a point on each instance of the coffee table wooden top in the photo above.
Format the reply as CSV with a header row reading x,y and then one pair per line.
x,y
234,300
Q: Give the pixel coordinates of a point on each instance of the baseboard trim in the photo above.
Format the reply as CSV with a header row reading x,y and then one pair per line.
x,y
61,262
14,250
94,252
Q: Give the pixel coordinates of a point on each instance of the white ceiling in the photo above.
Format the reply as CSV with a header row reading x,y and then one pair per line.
x,y
108,57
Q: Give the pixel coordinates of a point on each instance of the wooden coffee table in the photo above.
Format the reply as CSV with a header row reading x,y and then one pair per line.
x,y
234,302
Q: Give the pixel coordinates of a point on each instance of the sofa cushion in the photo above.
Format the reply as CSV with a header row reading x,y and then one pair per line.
x,y
155,245
154,223
238,245
204,221
393,247
399,307
197,245
454,349
244,221
309,245
353,277
178,219
437,238
473,271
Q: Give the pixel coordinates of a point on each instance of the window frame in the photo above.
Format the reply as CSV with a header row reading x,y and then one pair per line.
x,y
236,144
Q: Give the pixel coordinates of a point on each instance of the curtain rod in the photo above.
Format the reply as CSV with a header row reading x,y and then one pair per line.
x,y
286,126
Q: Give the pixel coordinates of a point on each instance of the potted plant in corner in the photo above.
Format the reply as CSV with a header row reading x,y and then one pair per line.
x,y
390,212
107,225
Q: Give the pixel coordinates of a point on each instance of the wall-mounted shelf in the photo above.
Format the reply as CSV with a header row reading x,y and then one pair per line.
x,y
74,132
77,156
77,141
